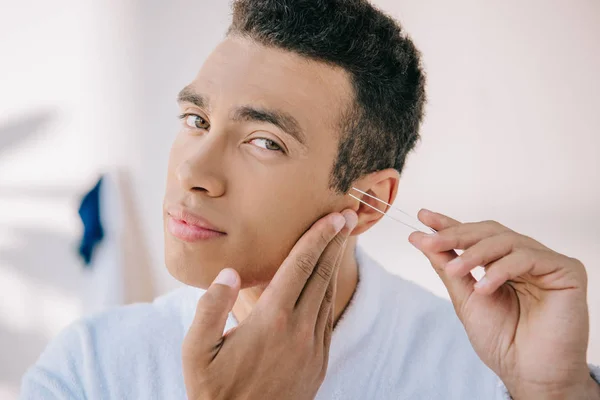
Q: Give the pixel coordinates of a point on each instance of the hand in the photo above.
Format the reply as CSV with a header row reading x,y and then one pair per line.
x,y
527,319
281,350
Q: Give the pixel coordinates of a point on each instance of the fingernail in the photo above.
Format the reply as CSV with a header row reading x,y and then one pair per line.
x,y
351,220
455,264
338,222
227,277
482,282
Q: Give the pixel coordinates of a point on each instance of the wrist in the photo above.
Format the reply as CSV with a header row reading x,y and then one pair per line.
x,y
586,389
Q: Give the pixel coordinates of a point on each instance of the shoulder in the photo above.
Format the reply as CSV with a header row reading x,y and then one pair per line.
x,y
419,311
109,343
429,344
140,324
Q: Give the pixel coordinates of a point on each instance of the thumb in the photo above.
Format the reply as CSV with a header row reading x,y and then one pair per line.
x,y
212,310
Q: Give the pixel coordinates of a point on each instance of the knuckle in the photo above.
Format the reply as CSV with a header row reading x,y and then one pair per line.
x,y
324,270
511,241
460,242
494,225
305,263
529,256
520,240
509,236
339,240
499,275
470,257
577,263
579,269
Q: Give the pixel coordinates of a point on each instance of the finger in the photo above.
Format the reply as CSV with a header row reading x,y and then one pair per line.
x,y
325,319
459,288
316,291
539,267
482,253
286,286
328,329
435,220
211,315
462,236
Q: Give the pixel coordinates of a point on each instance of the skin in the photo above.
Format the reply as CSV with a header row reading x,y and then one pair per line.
x,y
229,174
528,318
529,324
295,312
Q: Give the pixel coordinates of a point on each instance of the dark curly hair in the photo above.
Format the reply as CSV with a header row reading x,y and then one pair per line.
x,y
382,125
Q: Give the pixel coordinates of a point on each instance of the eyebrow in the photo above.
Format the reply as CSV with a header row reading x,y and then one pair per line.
x,y
280,119
284,121
189,95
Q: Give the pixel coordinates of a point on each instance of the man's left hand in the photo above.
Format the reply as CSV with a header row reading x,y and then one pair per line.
x,y
527,319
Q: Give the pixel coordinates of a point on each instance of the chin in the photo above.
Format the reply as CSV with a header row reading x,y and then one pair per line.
x,y
193,264
190,268
199,266
191,274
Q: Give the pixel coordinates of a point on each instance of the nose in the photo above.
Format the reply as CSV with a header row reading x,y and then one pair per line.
x,y
201,169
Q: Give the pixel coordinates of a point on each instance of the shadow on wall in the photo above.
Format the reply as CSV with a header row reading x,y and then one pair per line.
x,y
19,129
37,298
34,251
43,284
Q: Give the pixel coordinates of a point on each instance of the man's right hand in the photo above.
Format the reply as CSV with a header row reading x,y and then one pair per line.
x,y
281,350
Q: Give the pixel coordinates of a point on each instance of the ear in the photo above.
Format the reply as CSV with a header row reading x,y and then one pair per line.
x,y
381,184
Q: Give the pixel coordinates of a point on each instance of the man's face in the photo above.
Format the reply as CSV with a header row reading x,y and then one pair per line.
x,y
253,157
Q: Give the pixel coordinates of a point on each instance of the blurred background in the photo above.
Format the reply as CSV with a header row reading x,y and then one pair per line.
x,y
87,88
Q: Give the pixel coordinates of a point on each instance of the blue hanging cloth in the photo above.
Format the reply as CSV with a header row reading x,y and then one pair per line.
x,y
89,212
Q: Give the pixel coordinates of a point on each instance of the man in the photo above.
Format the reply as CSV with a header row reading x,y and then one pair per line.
x,y
302,101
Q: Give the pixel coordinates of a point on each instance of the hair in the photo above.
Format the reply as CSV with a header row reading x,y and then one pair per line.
x,y
381,126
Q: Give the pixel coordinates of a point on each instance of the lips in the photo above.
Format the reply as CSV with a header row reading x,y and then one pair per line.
x,y
190,227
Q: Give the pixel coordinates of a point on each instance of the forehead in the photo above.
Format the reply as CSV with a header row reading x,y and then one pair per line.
x,y
242,72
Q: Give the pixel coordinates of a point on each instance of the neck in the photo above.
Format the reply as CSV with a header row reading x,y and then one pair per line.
x,y
347,280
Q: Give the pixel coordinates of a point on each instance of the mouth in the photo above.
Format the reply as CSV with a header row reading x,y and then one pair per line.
x,y
189,227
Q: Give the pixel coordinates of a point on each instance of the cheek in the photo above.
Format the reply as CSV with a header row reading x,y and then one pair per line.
x,y
270,230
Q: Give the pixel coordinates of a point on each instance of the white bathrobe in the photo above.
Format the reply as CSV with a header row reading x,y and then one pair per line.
x,y
394,341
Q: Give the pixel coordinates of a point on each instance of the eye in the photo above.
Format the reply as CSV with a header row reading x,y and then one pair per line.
x,y
266,144
194,121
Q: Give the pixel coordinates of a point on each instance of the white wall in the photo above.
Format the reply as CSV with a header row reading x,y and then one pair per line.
x,y
510,134
512,127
